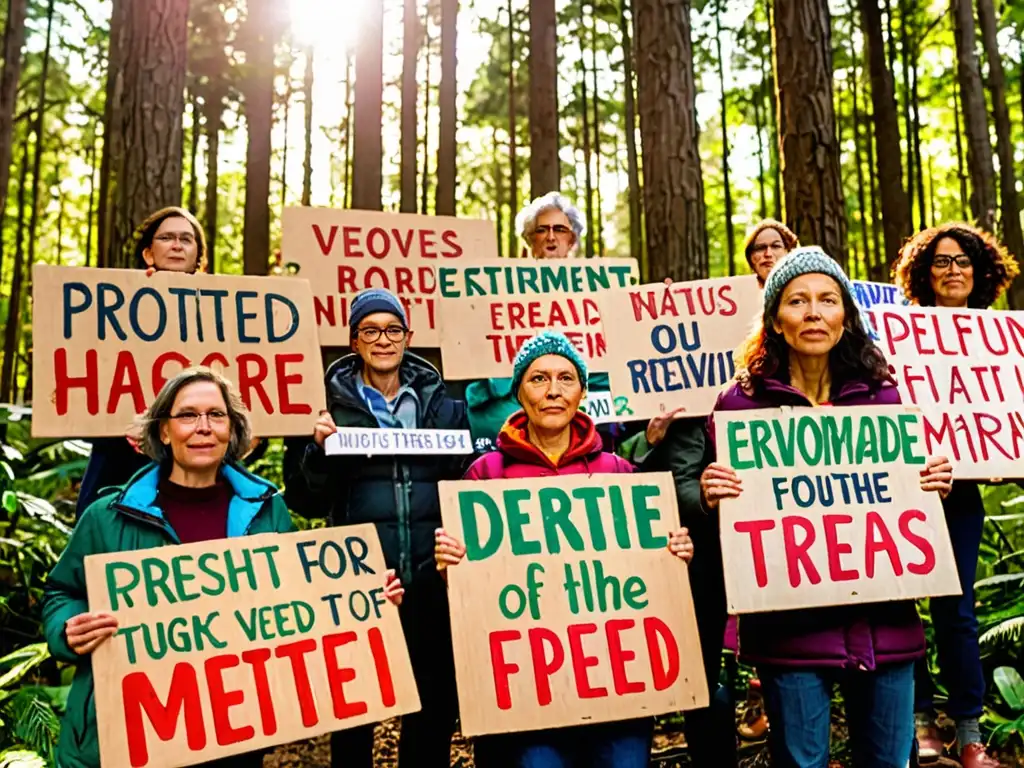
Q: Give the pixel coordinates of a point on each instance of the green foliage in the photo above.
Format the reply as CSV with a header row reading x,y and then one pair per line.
x,y
29,712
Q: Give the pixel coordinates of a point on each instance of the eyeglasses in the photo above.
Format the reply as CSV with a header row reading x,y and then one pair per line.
x,y
394,333
762,248
214,418
962,260
167,238
559,229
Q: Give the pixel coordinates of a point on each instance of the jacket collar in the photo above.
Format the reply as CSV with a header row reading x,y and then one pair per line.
x,y
414,372
847,389
584,442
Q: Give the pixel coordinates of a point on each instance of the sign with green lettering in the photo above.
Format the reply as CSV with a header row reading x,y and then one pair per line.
x,y
228,646
832,511
568,607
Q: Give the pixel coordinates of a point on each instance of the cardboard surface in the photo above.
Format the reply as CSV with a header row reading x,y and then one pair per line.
x,y
272,638
568,607
832,511
106,340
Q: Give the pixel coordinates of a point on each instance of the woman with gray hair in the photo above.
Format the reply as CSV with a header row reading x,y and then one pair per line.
x,y
551,226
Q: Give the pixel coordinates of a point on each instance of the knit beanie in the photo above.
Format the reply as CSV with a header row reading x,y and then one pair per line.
x,y
374,300
804,261
546,343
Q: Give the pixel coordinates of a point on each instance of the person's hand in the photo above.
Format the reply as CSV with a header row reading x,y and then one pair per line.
x,y
742,378
719,482
658,426
447,550
681,545
324,428
393,589
87,630
937,475
150,271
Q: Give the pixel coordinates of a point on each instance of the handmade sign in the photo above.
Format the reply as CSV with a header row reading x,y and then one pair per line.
x,y
568,607
964,369
234,645
362,441
672,345
832,510
491,308
341,252
869,296
110,338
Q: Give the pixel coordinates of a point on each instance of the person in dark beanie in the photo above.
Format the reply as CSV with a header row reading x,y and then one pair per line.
x,y
383,385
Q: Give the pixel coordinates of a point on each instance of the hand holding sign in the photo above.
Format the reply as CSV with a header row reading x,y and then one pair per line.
x,y
719,482
86,631
324,428
937,475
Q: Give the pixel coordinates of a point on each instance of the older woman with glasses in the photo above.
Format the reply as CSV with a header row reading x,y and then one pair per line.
x,y
551,227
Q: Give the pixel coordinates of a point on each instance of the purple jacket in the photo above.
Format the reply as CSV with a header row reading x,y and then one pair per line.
x,y
855,636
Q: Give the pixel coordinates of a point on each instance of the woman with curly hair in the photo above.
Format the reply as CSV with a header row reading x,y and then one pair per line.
x,y
766,243
957,266
812,349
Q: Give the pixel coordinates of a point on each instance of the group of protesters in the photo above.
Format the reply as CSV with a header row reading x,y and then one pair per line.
x,y
182,478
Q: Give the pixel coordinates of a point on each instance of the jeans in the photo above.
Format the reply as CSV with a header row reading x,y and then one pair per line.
x,y
953,619
879,711
621,744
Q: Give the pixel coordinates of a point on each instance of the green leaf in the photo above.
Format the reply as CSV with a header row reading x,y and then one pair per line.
x,y
20,662
10,502
21,758
1011,686
1005,633
1001,579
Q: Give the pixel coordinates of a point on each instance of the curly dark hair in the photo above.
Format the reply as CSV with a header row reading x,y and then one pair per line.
x,y
789,239
854,358
146,231
994,267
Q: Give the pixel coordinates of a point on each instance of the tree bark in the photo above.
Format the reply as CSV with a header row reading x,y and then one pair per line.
x,y
907,120
425,177
13,324
979,145
814,206
588,184
410,94
1009,217
307,159
768,75
214,122
193,171
730,235
916,135
113,141
633,167
673,183
759,126
961,171
366,161
286,122
346,171
14,41
597,233
543,64
513,187
861,196
154,61
444,194
92,202
895,204
877,266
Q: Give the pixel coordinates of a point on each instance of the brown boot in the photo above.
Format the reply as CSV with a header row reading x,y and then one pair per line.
x,y
975,756
753,722
930,746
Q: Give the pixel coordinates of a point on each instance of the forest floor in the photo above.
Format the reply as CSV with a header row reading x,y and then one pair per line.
x,y
669,751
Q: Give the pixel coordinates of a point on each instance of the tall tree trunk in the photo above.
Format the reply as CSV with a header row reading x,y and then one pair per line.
x,y
111,163
768,75
346,168
1009,201
633,168
410,94
877,266
814,206
425,179
895,213
961,170
14,41
366,161
92,201
907,121
916,135
444,194
13,325
513,187
677,241
499,189
585,114
193,170
861,196
151,117
38,131
597,233
543,64
288,92
60,217
759,125
214,122
307,159
259,117
730,235
979,145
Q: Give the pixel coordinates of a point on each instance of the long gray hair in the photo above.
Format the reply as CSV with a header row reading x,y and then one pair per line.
x,y
160,409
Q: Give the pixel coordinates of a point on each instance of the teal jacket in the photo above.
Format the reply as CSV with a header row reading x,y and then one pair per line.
x,y
122,520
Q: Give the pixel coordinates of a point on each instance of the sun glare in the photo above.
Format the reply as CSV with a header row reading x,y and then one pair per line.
x,y
327,25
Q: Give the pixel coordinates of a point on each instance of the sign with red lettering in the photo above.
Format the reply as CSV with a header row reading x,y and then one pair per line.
x,y
234,645
672,345
568,607
964,368
491,308
832,511
341,252
109,339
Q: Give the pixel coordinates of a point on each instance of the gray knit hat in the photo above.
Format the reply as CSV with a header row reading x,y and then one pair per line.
x,y
804,261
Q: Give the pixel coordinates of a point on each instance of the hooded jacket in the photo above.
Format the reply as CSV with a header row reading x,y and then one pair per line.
x,y
126,519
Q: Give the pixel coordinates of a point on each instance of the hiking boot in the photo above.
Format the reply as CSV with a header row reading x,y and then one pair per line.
x,y
753,722
975,756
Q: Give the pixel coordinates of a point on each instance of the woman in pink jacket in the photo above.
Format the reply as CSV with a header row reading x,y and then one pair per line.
x,y
550,436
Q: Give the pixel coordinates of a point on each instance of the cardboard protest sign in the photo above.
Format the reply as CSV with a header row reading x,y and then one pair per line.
x,y
106,340
868,296
832,510
671,345
342,252
964,369
365,441
491,308
233,645
568,607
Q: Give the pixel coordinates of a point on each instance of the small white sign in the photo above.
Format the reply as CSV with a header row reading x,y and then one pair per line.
x,y
599,406
417,442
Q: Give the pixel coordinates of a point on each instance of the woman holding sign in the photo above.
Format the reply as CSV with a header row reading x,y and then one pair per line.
x,y
961,267
550,436
811,349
